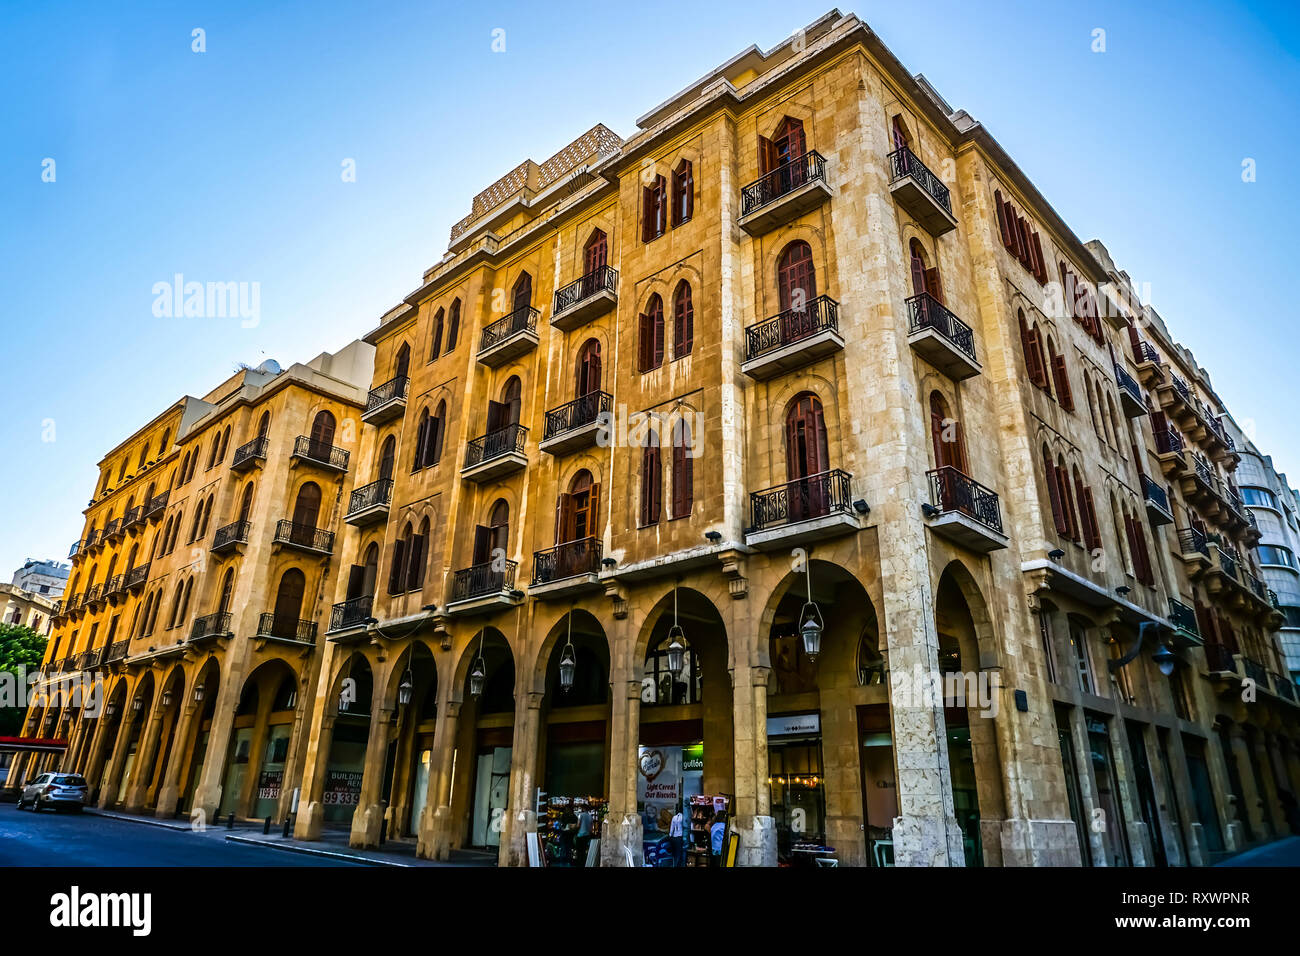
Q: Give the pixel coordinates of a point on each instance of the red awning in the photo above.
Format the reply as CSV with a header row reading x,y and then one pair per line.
x,y
43,745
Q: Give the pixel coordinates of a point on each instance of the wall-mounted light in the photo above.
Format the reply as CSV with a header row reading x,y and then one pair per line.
x,y
608,562
677,640
1165,659
137,702
861,507
714,536
1056,554
1123,590
198,694
405,687
929,510
478,672
167,697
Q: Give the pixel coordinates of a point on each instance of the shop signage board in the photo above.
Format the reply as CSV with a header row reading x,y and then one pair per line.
x,y
268,787
659,784
792,725
342,788
693,759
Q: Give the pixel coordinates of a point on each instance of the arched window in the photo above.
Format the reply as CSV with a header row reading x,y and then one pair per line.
x,y
651,480
176,605
144,616
1092,403
194,464
306,506
322,434
288,603
387,454
422,441
654,209
161,539
946,433
779,156
144,454
683,320
683,469
403,366
227,591
164,443
683,193
453,325
225,444
650,346
1087,512
1031,344
595,256
264,425
246,503
207,514
435,346
212,455
176,533
130,558
198,520
185,468
493,536
157,606
416,552
1067,499
575,514
361,581
522,295
439,429
587,373
511,401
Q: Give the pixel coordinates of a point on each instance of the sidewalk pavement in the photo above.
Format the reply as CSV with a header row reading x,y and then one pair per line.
x,y
1284,852
333,844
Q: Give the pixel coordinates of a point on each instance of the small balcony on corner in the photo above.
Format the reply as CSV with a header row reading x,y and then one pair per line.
x,y
1157,503
576,424
229,537
784,194
496,454
250,454
584,299
920,192
320,454
805,509
1130,393
386,402
793,339
368,504
508,337
964,511
939,337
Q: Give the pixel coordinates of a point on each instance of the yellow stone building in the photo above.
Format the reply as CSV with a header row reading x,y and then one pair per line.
x,y
733,451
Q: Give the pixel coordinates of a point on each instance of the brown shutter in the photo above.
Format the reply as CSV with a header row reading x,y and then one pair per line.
x,y
1040,267
657,356
766,155
420,434
1054,492
690,190
482,545
1092,531
1004,228
1139,532
396,574
432,441
1034,358
918,276
647,198
1063,393
933,285
1071,515
1132,546
415,563
564,518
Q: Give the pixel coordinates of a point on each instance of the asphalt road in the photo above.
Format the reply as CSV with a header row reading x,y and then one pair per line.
x,y
83,839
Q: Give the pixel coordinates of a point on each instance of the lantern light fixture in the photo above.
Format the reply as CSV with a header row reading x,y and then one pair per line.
x,y
405,687
478,672
676,643
1165,659
568,662
811,625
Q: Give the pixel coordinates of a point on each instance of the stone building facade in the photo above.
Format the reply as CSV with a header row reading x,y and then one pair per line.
x,y
751,432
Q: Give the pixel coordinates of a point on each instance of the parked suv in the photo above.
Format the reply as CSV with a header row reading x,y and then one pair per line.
x,y
54,790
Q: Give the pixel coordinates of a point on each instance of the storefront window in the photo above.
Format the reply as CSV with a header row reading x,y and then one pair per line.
x,y
271,778
1202,793
1108,792
1079,643
1072,790
796,786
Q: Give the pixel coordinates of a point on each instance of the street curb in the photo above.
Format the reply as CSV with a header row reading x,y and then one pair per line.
x,y
95,811
315,851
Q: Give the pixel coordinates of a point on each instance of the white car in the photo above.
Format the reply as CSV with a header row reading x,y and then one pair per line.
x,y
56,791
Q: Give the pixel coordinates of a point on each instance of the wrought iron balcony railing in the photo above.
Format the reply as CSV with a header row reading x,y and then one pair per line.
x,y
792,325
566,560
257,448
1129,384
156,504
1283,686
585,410
92,539
303,536
1183,616
950,491
89,659
351,612
785,179
114,585
320,452
924,311
520,320
816,496
211,625
115,652
903,163
94,594
1255,671
368,496
1154,493
601,279
1228,564
391,391
133,516
137,575
270,624
1144,352
234,533
482,580
1168,441
111,528
503,441
72,551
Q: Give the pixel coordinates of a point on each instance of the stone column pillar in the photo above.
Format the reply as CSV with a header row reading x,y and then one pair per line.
x,y
109,785
369,815
434,842
95,757
752,811
521,818
139,783
169,790
311,812
1272,803
621,836
207,797
1254,808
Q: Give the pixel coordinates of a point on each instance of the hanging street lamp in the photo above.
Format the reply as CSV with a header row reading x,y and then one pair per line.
x,y
812,625
568,663
676,643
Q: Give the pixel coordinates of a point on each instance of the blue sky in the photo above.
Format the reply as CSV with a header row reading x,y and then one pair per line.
x,y
225,166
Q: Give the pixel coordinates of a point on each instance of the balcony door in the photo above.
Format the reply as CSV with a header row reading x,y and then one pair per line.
x,y
227,591
386,458
322,435
306,508
288,603
807,456
362,577
246,502
595,256
522,295
588,370
796,288
924,280
779,157
495,534
403,361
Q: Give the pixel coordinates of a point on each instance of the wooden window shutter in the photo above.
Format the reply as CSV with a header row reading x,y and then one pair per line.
x,y
420,434
690,190
1034,357
1148,572
933,284
683,479
657,354
766,155
415,563
644,336
482,544
1040,268
397,572
1054,492
1092,530
563,517
593,512
1063,393
1004,227
1132,545
1072,515
431,441
647,208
